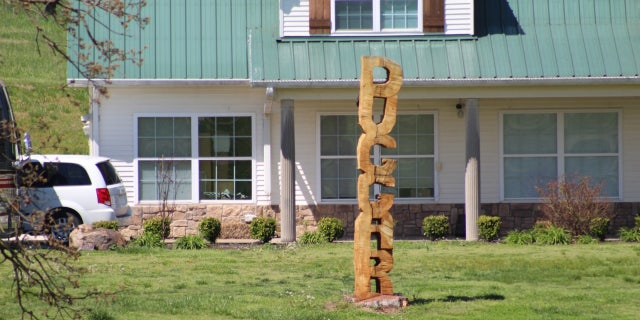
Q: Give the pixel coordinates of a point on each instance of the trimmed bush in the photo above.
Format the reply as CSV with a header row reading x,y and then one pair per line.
x,y
519,237
435,227
552,235
263,228
629,234
312,238
489,227
113,225
330,228
191,242
586,239
598,228
210,229
148,240
157,225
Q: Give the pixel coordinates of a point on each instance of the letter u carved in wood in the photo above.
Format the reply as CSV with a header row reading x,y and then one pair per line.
x,y
375,262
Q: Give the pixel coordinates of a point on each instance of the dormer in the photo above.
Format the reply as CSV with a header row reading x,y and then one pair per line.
x,y
304,18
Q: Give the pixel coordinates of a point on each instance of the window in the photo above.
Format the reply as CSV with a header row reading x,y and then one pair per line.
x,y
375,16
415,153
222,157
540,147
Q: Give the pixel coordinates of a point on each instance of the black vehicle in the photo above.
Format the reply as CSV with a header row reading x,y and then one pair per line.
x,y
9,153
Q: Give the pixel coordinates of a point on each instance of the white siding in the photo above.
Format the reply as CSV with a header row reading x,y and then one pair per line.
x,y
117,115
294,17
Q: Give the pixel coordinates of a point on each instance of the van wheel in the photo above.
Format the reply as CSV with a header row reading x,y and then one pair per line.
x,y
61,224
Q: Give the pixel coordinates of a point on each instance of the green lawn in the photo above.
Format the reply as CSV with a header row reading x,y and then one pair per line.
x,y
443,280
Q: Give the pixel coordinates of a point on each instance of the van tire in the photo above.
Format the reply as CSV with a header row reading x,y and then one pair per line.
x,y
61,223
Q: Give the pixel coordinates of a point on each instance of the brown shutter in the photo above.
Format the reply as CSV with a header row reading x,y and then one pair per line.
x,y
433,15
319,16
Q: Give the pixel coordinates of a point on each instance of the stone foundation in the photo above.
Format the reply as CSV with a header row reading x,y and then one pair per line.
x,y
407,217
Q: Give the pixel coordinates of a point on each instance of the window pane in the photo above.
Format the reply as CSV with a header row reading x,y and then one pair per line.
x,y
146,147
354,14
532,133
399,14
599,170
182,127
591,132
146,127
225,137
243,126
339,178
523,174
220,179
164,127
170,179
243,147
339,135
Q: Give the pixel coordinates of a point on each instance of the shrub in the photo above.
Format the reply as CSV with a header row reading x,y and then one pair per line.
x,y
157,225
552,235
312,238
210,229
629,234
598,227
148,240
113,225
330,228
519,237
586,239
572,204
263,228
235,230
489,227
435,227
191,242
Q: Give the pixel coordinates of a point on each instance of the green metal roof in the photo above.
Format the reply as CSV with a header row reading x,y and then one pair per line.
x,y
594,40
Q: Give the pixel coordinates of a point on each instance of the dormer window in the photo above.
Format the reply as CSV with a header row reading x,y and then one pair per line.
x,y
375,16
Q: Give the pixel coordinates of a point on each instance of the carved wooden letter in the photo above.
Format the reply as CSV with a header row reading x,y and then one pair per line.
x,y
374,219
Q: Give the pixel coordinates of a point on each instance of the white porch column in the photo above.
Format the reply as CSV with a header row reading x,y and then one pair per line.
x,y
472,170
287,173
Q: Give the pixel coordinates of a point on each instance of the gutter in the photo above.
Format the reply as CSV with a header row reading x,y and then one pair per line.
x,y
353,83
455,82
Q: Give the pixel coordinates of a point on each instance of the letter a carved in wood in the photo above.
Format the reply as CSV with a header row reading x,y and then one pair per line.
x,y
374,219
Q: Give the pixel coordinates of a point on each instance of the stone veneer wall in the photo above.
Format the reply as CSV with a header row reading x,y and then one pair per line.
x,y
408,217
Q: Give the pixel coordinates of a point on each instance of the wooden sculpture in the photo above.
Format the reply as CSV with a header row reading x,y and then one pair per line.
x,y
374,220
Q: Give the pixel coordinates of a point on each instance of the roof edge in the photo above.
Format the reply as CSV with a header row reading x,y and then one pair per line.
x,y
157,82
455,82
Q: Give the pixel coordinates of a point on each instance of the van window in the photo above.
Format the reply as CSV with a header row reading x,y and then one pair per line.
x,y
108,173
66,174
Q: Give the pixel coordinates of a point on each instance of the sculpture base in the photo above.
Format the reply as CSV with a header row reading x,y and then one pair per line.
x,y
378,301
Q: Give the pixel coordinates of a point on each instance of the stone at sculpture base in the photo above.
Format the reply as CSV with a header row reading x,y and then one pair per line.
x,y
381,301
86,237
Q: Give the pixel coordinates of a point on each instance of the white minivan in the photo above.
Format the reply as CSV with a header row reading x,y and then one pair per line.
x,y
70,190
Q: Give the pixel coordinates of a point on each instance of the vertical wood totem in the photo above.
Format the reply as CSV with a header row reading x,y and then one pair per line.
x,y
373,263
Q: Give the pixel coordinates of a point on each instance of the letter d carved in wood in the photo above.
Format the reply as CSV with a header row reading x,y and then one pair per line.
x,y
374,219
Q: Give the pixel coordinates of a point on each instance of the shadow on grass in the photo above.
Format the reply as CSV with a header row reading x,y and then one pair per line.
x,y
492,296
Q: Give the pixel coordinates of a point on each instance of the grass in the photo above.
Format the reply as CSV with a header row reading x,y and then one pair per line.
x,y
443,280
36,80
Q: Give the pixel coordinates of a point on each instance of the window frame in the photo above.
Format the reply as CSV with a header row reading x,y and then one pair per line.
x,y
378,156
433,19
194,158
377,22
560,153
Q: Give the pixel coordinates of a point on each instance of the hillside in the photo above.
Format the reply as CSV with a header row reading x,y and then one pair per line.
x,y
36,80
